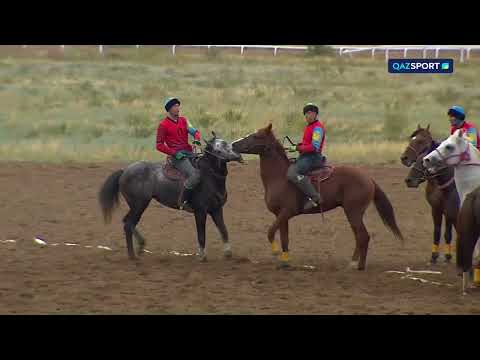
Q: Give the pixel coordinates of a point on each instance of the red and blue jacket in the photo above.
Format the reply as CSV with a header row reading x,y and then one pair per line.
x,y
172,136
313,138
470,132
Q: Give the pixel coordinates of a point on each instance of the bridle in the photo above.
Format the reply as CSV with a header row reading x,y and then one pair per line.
x,y
427,176
463,156
417,154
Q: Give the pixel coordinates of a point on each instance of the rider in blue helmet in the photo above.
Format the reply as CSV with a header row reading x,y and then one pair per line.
x,y
457,120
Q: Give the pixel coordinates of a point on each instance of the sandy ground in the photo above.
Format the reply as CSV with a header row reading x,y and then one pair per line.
x,y
59,203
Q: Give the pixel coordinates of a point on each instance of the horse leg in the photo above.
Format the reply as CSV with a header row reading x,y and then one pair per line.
x,y
437,229
284,259
201,220
362,238
130,222
140,240
271,238
281,216
448,239
217,217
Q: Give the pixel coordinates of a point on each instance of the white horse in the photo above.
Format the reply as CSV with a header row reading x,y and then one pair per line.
x,y
459,153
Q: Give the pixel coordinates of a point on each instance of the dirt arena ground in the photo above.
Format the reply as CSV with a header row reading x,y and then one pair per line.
x,y
59,203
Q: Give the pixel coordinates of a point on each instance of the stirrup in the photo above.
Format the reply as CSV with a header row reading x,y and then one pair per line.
x,y
311,204
186,207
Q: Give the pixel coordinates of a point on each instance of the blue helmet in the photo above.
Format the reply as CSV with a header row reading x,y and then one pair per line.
x,y
457,111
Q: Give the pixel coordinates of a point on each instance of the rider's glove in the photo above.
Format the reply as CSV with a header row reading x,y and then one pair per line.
x,y
180,155
292,148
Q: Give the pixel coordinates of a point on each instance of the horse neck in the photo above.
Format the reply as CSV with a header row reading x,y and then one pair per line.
x,y
273,167
467,175
443,178
213,168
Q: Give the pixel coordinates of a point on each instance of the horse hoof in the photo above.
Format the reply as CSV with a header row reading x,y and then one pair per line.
x,y
354,265
283,265
448,258
228,254
276,253
203,259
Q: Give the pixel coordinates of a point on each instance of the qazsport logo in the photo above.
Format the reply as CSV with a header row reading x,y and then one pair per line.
x,y
420,66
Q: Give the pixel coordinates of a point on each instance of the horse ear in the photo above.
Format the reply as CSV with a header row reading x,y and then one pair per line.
x,y
269,128
428,127
214,134
418,127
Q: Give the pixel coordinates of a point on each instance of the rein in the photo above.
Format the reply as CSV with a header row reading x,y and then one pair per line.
x,y
417,155
464,156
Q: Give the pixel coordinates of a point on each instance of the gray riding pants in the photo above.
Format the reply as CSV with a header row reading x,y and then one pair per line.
x,y
186,168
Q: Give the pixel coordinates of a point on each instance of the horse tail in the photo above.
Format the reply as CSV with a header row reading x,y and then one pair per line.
x,y
108,195
385,210
466,237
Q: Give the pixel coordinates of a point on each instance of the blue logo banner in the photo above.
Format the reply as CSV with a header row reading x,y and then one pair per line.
x,y
420,66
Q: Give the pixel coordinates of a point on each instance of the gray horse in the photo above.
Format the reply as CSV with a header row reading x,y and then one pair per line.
x,y
143,181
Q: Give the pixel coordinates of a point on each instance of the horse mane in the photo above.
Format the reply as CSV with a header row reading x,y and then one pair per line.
x,y
418,131
278,147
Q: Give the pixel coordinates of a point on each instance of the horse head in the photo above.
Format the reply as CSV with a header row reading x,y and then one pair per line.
x,y
451,152
256,143
221,149
420,143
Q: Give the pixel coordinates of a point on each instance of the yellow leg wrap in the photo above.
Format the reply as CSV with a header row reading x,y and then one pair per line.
x,y
448,249
476,276
275,247
284,257
434,248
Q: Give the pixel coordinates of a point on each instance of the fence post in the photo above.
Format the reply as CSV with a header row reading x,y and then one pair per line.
x,y
275,51
386,55
405,53
340,51
437,50
241,50
100,49
138,46
462,55
62,47
173,49
424,53
468,53
373,53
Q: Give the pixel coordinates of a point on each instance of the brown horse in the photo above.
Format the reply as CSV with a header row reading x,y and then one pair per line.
x,y
440,192
346,186
468,233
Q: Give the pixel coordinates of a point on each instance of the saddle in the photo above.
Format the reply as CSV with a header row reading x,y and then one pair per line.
x,y
320,174
172,173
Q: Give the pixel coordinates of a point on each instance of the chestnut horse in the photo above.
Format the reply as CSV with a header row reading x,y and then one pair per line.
x,y
440,192
347,187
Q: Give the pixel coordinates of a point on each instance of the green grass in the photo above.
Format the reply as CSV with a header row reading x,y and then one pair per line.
x,y
84,107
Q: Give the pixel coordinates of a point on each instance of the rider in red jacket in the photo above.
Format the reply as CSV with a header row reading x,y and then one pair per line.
x,y
457,121
310,156
172,140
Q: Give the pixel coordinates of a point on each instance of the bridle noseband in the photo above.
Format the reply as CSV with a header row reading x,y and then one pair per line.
x,y
463,156
417,154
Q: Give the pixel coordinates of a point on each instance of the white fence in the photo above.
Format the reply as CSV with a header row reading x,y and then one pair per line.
x,y
463,51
